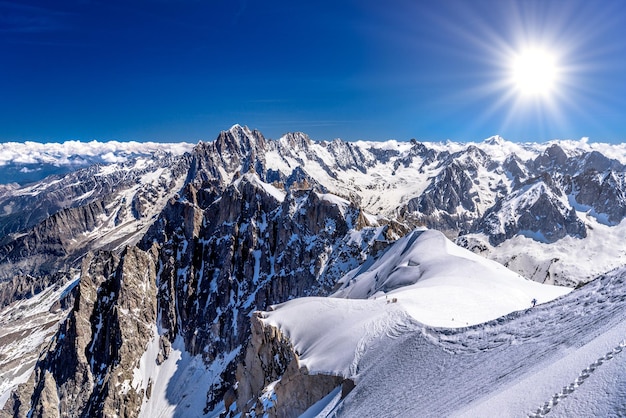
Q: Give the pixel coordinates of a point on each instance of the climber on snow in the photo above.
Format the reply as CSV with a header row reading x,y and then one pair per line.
x,y
534,302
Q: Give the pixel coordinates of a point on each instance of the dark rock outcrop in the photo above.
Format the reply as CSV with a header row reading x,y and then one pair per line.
x,y
537,209
270,358
87,368
244,252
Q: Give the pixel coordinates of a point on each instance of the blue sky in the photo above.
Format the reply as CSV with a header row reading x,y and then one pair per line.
x,y
182,70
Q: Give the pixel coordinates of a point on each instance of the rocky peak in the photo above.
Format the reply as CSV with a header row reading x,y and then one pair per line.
x,y
87,368
347,156
295,141
239,140
516,168
239,147
605,193
449,202
599,162
417,149
495,140
255,245
537,209
553,156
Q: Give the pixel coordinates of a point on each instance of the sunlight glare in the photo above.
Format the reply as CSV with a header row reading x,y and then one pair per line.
x,y
534,72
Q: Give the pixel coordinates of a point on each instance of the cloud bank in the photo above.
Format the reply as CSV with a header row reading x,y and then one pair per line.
x,y
73,153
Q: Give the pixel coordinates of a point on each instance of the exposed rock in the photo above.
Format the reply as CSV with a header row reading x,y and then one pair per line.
x,y
605,193
537,209
554,156
48,227
271,360
24,287
252,250
245,222
87,368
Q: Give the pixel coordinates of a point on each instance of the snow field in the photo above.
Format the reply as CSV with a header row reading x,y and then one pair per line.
x,y
422,277
565,262
179,384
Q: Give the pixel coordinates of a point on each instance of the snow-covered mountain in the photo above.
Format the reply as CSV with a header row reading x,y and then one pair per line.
x,y
563,358
141,278
422,281
48,226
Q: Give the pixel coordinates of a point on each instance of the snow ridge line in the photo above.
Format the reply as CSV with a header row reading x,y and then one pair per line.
x,y
569,389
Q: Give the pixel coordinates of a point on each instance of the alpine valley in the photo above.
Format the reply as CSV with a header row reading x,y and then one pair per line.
x,y
292,277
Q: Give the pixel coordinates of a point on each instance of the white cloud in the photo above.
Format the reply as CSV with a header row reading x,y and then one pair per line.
x,y
110,157
78,153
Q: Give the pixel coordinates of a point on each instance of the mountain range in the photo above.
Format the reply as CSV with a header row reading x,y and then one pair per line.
x,y
156,283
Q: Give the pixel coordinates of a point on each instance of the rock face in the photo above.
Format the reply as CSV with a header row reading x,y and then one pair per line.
x,y
86,369
602,192
49,226
537,208
252,247
271,360
25,287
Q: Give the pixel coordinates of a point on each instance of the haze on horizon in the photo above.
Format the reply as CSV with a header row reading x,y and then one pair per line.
x,y
167,71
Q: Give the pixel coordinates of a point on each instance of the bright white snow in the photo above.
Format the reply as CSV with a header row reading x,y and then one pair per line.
x,y
179,384
567,261
563,357
422,277
441,284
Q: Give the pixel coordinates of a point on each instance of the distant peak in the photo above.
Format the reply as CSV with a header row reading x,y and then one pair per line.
x,y
238,128
242,134
494,140
296,140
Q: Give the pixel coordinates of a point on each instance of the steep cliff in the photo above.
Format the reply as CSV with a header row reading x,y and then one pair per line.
x,y
271,379
87,367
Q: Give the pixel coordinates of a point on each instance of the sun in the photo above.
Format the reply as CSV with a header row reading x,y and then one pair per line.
x,y
534,72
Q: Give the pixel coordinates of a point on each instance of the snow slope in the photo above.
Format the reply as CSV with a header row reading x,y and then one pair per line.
x,y
422,278
441,284
563,357
567,261
174,382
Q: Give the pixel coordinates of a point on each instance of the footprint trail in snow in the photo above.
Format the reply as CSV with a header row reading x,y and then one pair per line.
x,y
569,389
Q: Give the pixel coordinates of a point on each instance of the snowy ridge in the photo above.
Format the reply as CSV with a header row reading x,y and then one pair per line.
x,y
459,188
424,272
507,367
422,279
